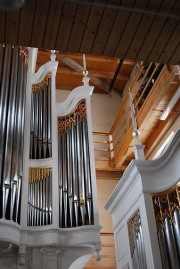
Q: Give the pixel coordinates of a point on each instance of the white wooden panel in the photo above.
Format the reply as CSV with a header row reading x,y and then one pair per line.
x,y
50,262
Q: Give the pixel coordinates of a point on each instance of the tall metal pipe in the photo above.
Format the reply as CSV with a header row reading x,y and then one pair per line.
x,y
49,153
75,175
50,198
40,124
171,244
45,121
70,175
176,229
8,156
87,170
144,263
163,249
4,107
60,178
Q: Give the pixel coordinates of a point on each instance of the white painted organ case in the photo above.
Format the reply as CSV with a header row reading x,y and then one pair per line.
x,y
145,208
49,208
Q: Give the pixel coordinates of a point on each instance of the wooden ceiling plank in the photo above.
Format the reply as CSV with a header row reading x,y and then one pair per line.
x,y
142,31
154,32
39,24
163,39
92,26
176,56
116,33
12,25
172,44
25,29
104,31
165,35
52,26
78,29
68,15
2,26
130,30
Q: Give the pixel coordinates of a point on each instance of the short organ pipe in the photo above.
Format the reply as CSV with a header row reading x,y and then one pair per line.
x,y
40,197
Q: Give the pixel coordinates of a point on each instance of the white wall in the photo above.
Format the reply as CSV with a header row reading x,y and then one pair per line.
x,y
104,188
103,106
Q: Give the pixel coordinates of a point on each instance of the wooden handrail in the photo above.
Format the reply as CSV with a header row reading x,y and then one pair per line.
x,y
100,133
126,98
122,129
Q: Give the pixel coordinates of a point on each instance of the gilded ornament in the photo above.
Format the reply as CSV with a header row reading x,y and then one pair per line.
x,y
37,174
65,122
165,203
40,85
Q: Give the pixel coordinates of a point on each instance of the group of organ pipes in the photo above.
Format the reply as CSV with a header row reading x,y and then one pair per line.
x,y
13,71
137,248
40,196
75,193
167,214
40,142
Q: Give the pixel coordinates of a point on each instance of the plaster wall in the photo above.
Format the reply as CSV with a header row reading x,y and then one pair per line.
x,y
104,188
104,109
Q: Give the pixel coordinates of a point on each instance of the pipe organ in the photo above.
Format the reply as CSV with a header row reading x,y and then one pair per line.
x,y
75,193
13,71
167,214
145,209
40,138
47,184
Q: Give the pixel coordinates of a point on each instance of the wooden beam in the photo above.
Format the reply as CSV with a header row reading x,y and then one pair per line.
x,y
93,58
103,174
97,73
79,68
104,164
116,74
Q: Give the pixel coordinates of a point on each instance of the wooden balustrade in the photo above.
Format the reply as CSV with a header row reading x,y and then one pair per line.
x,y
116,145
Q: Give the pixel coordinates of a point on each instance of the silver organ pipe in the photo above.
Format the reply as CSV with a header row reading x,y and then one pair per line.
x,y
136,241
75,194
13,67
40,138
166,210
40,196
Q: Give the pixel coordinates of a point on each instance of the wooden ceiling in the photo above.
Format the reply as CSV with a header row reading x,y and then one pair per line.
x,y
101,71
140,30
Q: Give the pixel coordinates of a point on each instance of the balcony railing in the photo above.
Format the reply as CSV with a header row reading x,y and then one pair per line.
x,y
110,145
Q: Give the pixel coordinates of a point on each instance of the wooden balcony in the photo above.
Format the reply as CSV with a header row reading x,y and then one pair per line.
x,y
152,87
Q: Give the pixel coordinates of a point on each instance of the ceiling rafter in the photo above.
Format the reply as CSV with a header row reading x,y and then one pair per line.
x,y
126,8
79,68
96,73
